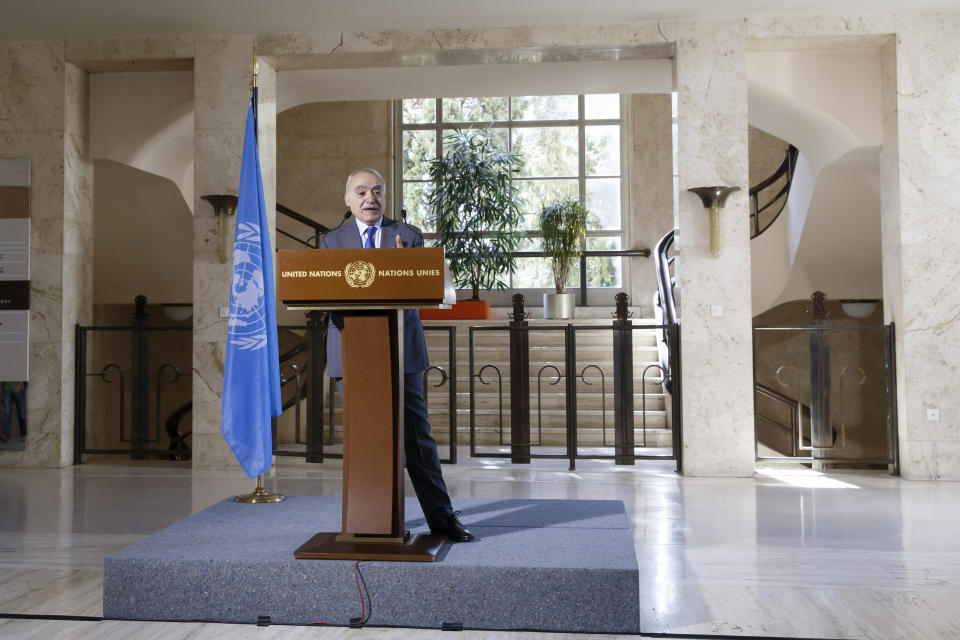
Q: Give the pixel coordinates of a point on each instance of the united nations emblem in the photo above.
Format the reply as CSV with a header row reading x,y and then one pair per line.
x,y
247,326
359,274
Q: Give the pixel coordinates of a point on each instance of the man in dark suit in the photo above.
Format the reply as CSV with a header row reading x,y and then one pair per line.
x,y
365,196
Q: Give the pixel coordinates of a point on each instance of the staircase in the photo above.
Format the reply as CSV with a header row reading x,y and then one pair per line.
x,y
595,409
595,418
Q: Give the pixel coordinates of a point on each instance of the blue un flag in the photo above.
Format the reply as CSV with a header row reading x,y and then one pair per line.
x,y
251,375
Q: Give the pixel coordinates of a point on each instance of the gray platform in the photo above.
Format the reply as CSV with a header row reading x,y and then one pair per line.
x,y
552,565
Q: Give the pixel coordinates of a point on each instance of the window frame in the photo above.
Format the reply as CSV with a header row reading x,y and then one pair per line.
x,y
440,127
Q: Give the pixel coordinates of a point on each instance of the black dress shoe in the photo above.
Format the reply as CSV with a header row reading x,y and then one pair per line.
x,y
453,528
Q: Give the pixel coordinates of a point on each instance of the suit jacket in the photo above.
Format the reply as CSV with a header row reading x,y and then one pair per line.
x,y
346,236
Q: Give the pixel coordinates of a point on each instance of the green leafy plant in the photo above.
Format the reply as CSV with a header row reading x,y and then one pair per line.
x,y
476,208
564,226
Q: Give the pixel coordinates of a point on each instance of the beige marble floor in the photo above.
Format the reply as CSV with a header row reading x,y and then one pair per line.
x,y
789,553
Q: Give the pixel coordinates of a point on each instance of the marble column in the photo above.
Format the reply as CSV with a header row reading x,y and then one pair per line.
x,y
717,349
649,173
921,214
221,91
43,116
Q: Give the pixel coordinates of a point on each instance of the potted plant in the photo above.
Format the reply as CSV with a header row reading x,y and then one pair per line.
x,y
477,213
564,226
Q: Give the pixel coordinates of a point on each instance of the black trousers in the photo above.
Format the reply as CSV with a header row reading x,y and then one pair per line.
x,y
420,450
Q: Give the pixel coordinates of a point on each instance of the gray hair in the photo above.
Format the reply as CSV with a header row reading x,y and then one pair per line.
x,y
373,171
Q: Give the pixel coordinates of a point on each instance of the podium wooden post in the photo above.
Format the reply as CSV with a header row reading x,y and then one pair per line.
x,y
369,288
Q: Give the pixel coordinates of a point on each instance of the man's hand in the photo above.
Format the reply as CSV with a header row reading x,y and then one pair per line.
x,y
399,242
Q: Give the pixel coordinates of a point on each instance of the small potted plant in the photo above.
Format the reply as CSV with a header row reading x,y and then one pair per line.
x,y
564,226
477,213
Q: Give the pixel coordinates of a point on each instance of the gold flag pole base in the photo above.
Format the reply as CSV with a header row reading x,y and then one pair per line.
x,y
259,495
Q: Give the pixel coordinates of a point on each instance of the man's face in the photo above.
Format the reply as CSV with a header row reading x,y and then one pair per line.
x,y
364,196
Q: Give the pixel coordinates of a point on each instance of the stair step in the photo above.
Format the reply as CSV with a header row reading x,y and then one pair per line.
x,y
550,418
548,436
440,403
558,438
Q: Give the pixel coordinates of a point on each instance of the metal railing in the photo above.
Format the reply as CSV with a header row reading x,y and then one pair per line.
x,y
303,385
520,446
792,426
128,383
840,398
319,436
317,228
779,200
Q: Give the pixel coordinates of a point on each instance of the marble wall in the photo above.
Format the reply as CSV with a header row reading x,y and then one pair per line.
x,y
221,90
43,85
43,116
928,221
920,107
717,350
320,143
649,184
890,207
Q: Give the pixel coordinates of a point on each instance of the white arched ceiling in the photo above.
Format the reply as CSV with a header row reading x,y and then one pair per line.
x,y
144,237
840,249
819,136
145,120
827,104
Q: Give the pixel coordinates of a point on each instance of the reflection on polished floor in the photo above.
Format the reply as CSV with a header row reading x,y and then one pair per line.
x,y
790,553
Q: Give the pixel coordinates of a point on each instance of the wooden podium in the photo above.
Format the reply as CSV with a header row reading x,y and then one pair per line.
x,y
369,287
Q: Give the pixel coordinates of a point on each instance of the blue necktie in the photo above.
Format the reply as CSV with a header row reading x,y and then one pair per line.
x,y
371,232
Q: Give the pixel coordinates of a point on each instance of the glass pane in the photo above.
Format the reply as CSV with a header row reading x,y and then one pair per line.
x,y
415,202
547,151
597,106
602,271
419,147
544,107
602,153
599,243
603,203
533,273
528,243
501,139
419,110
537,194
474,109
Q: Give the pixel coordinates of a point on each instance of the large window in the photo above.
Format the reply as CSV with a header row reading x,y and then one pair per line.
x,y
570,146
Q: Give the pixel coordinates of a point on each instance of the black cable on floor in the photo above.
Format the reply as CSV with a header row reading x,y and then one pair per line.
x,y
364,612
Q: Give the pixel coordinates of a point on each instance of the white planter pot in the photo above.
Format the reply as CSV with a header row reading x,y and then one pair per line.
x,y
559,305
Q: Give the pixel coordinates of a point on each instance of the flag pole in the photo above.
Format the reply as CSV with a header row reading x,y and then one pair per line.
x,y
259,495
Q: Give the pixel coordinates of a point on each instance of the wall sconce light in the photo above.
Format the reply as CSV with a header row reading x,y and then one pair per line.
x,y
714,198
223,206
861,308
178,311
